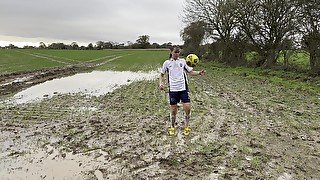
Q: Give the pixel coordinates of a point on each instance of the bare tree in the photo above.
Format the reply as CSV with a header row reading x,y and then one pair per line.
x,y
309,22
193,35
90,46
42,45
100,45
219,19
108,45
74,45
143,41
267,23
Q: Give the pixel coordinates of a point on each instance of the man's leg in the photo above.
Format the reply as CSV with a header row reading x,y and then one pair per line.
x,y
187,110
174,110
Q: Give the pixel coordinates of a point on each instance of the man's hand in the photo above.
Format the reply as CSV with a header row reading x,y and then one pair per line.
x,y
202,72
161,86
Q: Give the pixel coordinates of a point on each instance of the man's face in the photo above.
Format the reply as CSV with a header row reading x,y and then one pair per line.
x,y
175,53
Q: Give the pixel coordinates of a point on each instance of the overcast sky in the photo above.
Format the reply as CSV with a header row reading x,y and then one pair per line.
x,y
85,21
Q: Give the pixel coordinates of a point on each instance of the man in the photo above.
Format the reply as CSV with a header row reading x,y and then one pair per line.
x,y
176,68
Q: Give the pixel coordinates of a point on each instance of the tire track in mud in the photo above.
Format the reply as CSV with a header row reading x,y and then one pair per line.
x,y
105,60
100,58
56,57
44,57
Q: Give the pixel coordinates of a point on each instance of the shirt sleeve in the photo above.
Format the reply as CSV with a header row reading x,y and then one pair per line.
x,y
186,67
164,68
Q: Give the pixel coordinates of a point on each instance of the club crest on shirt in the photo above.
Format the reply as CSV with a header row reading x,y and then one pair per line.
x,y
180,64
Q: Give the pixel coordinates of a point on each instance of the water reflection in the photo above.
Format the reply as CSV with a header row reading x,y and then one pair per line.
x,y
95,83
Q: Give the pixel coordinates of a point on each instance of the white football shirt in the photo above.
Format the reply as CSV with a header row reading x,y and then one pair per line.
x,y
176,70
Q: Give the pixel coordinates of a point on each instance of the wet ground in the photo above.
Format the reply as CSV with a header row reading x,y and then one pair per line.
x,y
242,128
94,83
12,83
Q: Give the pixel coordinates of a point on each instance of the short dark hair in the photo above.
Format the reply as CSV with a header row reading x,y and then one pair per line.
x,y
172,48
177,48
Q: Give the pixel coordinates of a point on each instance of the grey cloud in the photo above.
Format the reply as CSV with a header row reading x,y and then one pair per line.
x,y
89,21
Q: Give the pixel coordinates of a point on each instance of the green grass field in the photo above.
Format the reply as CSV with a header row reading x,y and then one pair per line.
x,y
135,60
20,60
27,60
298,60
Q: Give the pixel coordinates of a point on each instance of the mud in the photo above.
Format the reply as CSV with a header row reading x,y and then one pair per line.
x,y
241,129
14,82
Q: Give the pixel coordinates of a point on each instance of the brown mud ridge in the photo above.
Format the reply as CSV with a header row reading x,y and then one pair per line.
x,y
14,82
241,129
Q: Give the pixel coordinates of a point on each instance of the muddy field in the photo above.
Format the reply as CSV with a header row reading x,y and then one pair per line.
x,y
242,128
14,82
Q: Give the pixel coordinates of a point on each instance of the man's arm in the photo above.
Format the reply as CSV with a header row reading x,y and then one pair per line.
x,y
161,82
195,73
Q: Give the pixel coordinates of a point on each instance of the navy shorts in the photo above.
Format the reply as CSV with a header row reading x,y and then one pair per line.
x,y
176,97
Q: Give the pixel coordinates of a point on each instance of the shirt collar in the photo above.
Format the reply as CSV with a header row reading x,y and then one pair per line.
x,y
171,59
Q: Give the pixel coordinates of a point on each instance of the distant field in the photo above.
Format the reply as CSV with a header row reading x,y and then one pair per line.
x,y
19,60
136,60
297,59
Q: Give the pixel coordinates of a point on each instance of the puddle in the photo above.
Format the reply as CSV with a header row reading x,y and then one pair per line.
x,y
95,83
39,165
